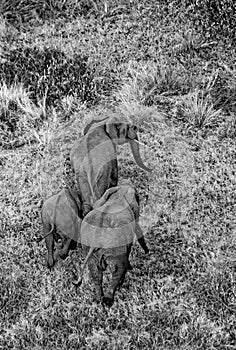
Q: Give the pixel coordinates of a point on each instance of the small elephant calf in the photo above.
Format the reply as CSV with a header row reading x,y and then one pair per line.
x,y
61,218
107,234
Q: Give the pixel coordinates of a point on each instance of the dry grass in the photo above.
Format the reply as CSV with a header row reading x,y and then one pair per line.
x,y
181,296
20,117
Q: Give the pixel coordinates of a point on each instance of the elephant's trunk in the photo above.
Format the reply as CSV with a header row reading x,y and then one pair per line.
x,y
78,282
136,154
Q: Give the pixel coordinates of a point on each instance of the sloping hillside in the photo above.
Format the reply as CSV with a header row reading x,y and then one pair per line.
x,y
170,67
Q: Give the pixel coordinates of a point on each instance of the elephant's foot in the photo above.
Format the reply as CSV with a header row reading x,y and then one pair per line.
x,y
108,298
73,245
96,299
63,256
56,254
50,262
107,301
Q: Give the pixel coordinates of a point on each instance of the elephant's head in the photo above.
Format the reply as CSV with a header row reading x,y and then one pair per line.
x,y
121,131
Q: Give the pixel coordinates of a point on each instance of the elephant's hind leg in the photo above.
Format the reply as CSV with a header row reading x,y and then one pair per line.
x,y
96,275
119,266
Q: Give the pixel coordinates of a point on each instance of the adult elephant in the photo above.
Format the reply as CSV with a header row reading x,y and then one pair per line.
x,y
107,234
94,157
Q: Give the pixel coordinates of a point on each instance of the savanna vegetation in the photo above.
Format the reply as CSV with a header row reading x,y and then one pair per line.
x,y
169,66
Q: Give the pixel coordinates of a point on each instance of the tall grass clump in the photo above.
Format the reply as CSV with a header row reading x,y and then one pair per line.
x,y
153,83
197,113
19,116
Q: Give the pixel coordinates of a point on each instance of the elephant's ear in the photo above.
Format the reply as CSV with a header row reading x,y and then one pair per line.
x,y
91,123
111,127
132,132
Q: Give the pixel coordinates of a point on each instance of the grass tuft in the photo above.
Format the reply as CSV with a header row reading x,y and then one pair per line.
x,y
20,116
197,113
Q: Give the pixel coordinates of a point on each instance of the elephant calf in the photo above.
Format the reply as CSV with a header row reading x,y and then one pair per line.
x,y
61,218
107,234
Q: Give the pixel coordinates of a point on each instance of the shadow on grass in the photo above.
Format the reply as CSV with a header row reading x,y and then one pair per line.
x,y
49,74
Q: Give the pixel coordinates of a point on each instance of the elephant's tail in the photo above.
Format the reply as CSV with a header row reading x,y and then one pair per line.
x,y
79,281
38,240
51,218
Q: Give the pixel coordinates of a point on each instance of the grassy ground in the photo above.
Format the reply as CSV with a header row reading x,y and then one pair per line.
x,y
62,62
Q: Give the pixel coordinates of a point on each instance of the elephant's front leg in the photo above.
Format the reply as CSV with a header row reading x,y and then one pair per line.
x,y
84,188
119,266
49,239
114,173
96,275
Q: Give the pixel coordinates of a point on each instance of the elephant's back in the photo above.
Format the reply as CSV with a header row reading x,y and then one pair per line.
x,y
63,213
108,228
93,236
94,150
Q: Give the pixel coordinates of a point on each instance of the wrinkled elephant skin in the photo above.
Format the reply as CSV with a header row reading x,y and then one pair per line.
x,y
94,158
61,218
107,234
